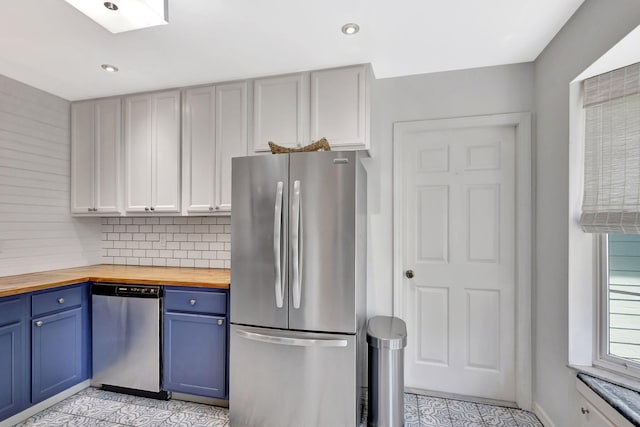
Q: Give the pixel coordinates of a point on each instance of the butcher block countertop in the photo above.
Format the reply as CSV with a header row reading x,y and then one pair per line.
x,y
217,278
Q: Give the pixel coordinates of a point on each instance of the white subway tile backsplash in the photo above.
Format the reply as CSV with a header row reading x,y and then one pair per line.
x,y
203,242
187,228
187,263
186,246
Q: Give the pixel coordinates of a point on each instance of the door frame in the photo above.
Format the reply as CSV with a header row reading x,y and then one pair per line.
x,y
524,232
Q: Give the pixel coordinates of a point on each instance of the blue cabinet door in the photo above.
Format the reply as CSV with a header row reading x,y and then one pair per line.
x,y
195,351
57,352
14,384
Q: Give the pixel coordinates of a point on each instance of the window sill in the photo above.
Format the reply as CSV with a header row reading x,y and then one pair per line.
x,y
620,401
608,376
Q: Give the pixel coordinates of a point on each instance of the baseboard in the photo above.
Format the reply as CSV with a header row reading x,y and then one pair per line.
x,y
39,407
199,399
542,415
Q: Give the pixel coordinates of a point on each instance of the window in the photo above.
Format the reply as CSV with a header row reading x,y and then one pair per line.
x,y
619,340
611,205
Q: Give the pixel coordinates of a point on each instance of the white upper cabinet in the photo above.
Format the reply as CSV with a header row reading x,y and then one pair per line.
x,y
198,149
152,152
231,137
281,111
340,106
215,130
95,157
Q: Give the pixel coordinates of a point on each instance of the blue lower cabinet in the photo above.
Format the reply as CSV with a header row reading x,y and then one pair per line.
x,y
57,352
60,339
195,354
14,383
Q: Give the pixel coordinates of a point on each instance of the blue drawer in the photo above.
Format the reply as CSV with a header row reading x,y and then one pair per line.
x,y
196,301
12,310
56,300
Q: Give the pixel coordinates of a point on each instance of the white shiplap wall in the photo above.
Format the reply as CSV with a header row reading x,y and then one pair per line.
x,y
37,231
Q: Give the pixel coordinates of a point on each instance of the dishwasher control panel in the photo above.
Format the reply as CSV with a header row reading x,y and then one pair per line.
x,y
123,290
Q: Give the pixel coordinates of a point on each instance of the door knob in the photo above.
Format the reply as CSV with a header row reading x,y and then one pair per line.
x,y
39,323
409,274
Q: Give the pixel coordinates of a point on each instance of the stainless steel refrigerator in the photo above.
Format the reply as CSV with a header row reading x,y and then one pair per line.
x,y
298,303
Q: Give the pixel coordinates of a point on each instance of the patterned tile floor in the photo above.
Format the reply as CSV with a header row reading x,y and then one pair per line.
x,y
97,408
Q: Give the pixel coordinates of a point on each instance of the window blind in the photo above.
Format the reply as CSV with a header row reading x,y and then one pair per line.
x,y
611,202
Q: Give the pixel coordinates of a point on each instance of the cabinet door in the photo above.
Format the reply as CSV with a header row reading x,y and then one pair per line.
x,y
339,109
281,111
56,353
165,152
195,349
108,119
82,157
13,357
137,140
231,138
198,149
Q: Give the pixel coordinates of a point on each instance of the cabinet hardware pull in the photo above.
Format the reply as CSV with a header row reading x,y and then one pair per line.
x,y
146,209
192,302
210,208
584,411
89,209
152,208
220,322
60,300
217,208
39,323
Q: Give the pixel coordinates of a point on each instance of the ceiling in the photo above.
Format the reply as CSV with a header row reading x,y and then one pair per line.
x,y
52,46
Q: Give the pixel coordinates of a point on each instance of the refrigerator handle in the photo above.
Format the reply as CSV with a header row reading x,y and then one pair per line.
x,y
297,342
295,244
277,239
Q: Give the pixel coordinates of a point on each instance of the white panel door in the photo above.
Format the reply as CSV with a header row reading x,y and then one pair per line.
x,y
281,111
231,138
198,149
165,152
82,157
459,241
339,109
108,119
137,141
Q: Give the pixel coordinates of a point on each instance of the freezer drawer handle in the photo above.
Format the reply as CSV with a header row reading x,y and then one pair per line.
x,y
297,342
277,232
296,244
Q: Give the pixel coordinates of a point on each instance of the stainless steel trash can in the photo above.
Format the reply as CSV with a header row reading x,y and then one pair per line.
x,y
387,338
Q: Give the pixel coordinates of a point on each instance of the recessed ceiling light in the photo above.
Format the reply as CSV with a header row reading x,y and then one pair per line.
x,y
111,6
120,16
350,29
109,68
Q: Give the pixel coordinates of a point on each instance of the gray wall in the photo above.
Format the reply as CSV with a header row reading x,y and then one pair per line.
x,y
36,230
491,90
594,29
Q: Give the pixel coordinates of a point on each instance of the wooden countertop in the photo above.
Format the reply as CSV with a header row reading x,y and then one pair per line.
x,y
197,277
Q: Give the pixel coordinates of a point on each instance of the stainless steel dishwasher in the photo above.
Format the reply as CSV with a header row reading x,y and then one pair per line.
x,y
127,331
